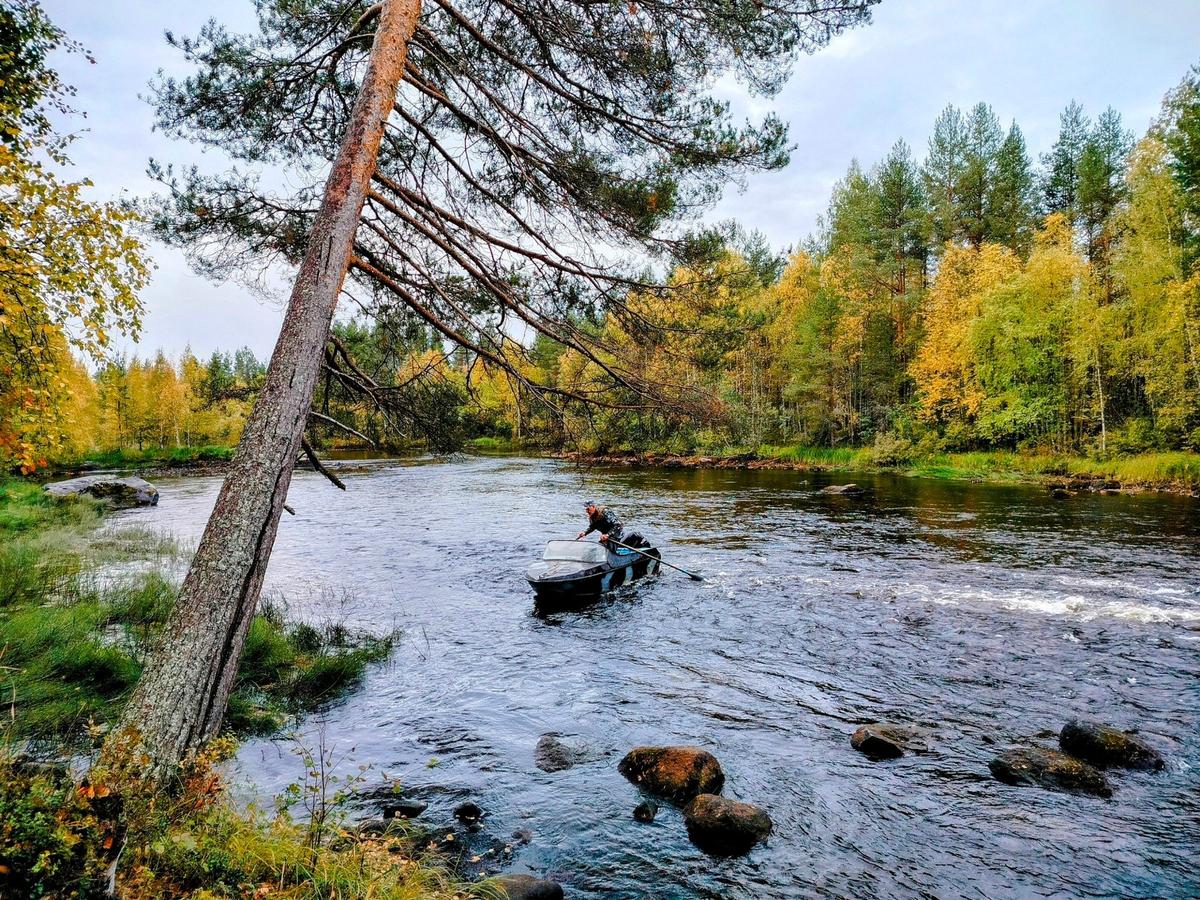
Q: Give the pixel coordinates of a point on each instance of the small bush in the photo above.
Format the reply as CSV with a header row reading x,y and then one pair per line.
x,y
890,451
1137,435
51,841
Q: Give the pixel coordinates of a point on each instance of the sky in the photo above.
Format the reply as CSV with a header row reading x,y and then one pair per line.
x,y
852,100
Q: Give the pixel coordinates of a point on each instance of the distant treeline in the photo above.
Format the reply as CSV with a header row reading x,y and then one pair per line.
x,y
972,299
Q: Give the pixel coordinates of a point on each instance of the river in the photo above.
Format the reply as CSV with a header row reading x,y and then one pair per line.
x,y
988,614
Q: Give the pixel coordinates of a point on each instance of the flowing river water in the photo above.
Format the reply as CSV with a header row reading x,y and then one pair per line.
x,y
989,615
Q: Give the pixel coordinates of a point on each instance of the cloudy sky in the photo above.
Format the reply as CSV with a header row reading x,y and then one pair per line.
x,y
1028,58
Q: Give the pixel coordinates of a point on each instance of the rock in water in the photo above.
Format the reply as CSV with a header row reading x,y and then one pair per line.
x,y
725,827
526,887
845,490
645,811
1049,768
131,491
552,755
883,741
1107,747
676,773
468,812
404,809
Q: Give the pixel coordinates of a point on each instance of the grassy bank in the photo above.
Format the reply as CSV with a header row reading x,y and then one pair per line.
x,y
1177,472
148,458
80,605
76,625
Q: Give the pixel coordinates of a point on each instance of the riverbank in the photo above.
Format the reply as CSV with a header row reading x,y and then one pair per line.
x,y
1175,472
80,606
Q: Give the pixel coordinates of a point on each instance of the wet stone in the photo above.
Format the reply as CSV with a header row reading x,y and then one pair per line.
x,y
883,741
130,491
725,827
645,811
552,755
673,773
404,809
1050,769
843,490
1107,747
527,887
468,812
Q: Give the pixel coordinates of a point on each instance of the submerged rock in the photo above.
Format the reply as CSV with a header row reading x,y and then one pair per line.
x,y
468,812
373,828
1049,768
725,827
404,809
675,773
552,755
526,887
845,490
131,491
883,741
645,811
1107,747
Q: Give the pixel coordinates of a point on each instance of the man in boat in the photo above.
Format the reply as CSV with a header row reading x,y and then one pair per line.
x,y
603,520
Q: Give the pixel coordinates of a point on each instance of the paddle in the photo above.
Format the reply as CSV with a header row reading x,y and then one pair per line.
x,y
691,575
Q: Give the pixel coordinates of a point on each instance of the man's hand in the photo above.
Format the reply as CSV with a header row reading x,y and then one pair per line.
x,y
604,538
579,536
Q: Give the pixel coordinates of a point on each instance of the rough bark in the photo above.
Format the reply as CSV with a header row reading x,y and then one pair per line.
x,y
181,698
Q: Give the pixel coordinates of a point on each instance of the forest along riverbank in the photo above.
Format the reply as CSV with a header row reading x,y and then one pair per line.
x,y
985,616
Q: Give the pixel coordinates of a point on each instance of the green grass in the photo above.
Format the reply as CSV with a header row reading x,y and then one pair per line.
x,y
492,444
833,457
72,643
1177,470
151,457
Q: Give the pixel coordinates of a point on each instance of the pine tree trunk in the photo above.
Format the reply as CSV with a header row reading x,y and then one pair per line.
x,y
181,698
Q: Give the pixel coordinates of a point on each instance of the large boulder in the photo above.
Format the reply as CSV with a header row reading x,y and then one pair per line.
x,y
725,827
525,887
674,773
1051,769
130,491
1107,747
883,741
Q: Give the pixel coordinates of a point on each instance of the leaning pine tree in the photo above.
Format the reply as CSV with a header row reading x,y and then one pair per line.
x,y
499,167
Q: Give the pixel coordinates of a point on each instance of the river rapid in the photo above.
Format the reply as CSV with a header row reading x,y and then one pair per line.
x,y
989,615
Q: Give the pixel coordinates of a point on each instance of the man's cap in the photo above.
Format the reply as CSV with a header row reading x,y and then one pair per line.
x,y
588,503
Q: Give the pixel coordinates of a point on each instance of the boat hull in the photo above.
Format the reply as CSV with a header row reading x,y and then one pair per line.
x,y
577,588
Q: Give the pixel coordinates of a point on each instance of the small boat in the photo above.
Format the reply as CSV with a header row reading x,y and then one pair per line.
x,y
571,572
